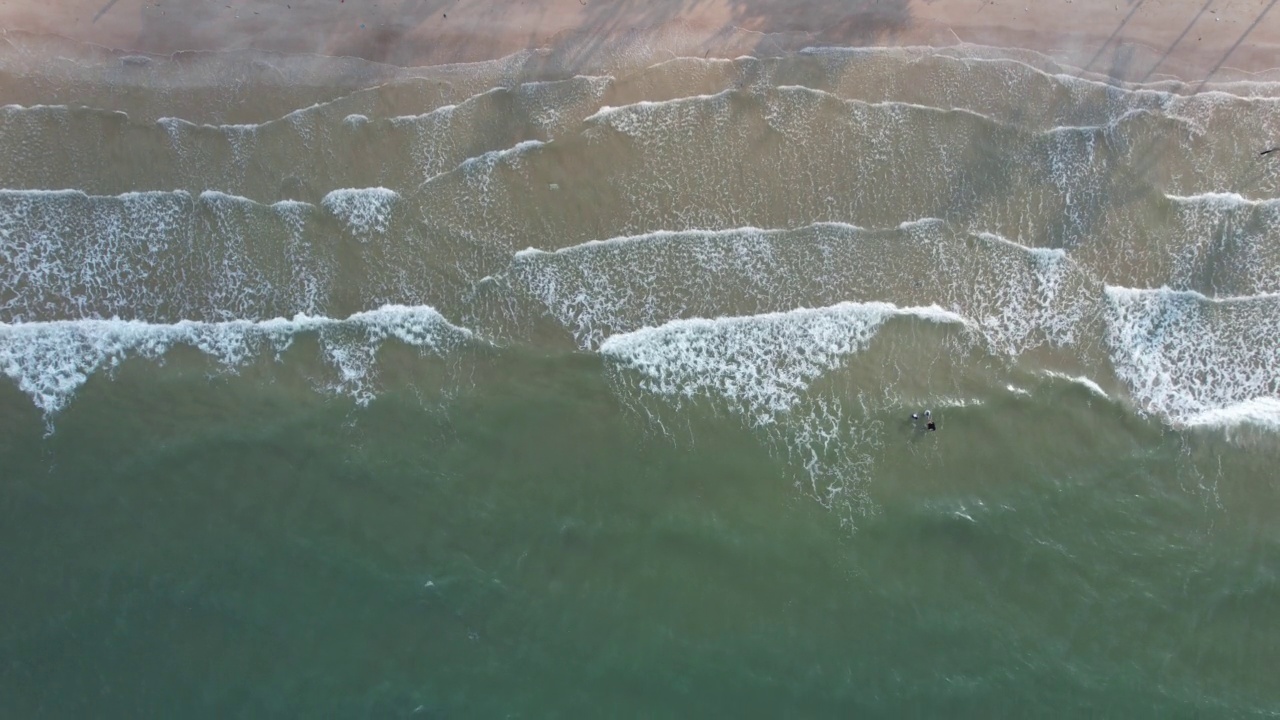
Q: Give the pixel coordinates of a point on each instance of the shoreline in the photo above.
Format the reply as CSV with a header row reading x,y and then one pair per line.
x,y
1135,41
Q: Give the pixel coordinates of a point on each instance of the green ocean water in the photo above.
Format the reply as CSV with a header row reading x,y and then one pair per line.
x,y
185,546
502,391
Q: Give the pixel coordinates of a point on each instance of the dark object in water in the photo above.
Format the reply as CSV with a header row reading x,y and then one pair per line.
x,y
931,425
1268,152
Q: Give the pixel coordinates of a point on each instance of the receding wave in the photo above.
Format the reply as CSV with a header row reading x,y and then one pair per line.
x,y
366,211
760,363
1193,359
155,255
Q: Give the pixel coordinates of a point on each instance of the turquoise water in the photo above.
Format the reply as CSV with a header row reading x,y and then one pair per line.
x,y
296,426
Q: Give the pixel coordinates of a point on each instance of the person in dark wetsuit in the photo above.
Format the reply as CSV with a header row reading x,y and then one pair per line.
x,y
928,418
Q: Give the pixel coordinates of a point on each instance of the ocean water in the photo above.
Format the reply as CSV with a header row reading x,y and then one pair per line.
x,y
504,390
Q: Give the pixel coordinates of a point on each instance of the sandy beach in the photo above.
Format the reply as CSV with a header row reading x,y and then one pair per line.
x,y
1134,40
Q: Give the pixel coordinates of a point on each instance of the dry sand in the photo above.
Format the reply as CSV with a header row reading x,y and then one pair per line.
x,y
1129,39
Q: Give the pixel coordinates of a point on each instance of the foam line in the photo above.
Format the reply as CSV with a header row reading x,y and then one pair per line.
x,y
492,157
49,361
31,195
1223,200
301,114
1263,412
1080,380
761,363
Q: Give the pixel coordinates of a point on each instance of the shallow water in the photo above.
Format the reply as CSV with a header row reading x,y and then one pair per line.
x,y
467,393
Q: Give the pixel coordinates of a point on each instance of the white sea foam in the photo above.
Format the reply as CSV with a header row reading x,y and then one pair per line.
x,y
761,364
1187,357
1026,296
477,171
16,108
158,255
59,110
1080,380
1228,200
489,159
626,118
434,146
762,368
404,120
178,124
215,196
61,250
366,211
1227,244
630,119
921,224
1046,254
1110,123
605,287
1260,412
953,401
656,235
49,361
883,104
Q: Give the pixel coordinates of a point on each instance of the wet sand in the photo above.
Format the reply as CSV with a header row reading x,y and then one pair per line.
x,y
1135,40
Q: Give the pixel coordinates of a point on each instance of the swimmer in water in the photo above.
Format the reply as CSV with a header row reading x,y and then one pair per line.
x,y
928,417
